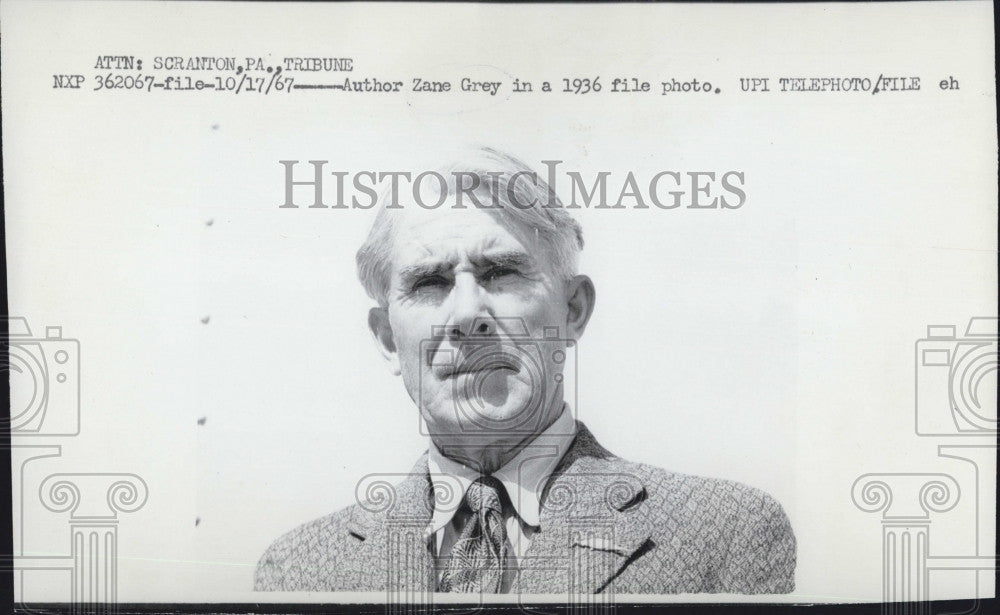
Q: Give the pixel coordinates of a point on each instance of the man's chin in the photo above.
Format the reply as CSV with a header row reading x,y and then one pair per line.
x,y
486,422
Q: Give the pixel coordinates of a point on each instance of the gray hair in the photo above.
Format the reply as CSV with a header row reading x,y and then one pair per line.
x,y
516,202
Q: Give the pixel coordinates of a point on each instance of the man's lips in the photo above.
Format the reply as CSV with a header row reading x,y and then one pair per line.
x,y
480,367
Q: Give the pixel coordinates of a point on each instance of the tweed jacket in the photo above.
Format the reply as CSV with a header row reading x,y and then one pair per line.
x,y
606,525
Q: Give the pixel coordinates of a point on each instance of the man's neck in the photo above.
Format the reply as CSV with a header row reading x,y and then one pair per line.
x,y
488,457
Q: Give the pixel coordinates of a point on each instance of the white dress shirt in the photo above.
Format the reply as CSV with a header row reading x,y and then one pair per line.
x,y
523,477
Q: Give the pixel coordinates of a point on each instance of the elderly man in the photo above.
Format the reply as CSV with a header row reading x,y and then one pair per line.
x,y
479,303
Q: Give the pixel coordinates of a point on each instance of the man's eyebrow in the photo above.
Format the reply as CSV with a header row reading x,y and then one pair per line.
x,y
512,259
420,270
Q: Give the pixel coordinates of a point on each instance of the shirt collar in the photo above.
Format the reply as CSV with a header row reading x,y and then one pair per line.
x,y
523,477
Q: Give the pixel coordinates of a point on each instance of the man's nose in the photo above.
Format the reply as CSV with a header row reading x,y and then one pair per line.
x,y
469,311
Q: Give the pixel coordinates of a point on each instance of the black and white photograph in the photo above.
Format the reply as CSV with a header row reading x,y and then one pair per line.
x,y
478,306
411,306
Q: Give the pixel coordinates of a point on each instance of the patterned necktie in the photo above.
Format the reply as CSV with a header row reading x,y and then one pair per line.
x,y
479,556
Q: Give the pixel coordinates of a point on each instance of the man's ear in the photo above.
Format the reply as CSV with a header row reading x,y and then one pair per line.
x,y
581,293
378,322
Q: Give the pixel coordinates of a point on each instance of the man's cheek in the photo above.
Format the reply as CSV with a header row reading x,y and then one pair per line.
x,y
409,352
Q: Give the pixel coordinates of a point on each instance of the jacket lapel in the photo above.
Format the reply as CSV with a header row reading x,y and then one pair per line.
x,y
390,525
591,526
591,523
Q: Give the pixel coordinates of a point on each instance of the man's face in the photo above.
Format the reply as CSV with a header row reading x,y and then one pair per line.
x,y
468,302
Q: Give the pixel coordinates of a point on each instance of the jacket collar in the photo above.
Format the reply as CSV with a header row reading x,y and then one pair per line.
x,y
590,517
591,522
390,521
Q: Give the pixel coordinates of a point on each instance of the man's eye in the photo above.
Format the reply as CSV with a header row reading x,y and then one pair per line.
x,y
429,282
495,273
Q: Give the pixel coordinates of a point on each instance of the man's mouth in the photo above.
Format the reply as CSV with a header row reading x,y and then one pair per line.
x,y
493,363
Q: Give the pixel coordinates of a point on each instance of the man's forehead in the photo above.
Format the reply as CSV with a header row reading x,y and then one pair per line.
x,y
449,234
